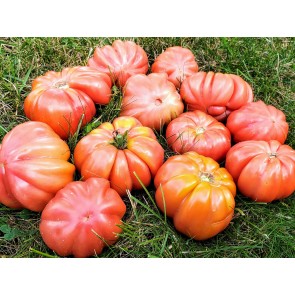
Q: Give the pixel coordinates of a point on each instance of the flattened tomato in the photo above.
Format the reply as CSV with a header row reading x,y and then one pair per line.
x,y
263,170
120,61
196,193
258,121
152,99
33,166
215,93
63,99
116,151
199,132
83,218
178,62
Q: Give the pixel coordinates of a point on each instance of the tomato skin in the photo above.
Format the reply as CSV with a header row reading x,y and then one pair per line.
x,y
263,170
196,193
96,156
82,218
60,99
258,121
120,61
151,99
199,132
217,94
33,166
178,62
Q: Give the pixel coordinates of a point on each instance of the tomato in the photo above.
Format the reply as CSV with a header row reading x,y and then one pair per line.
x,y
258,121
120,61
177,62
152,99
199,132
63,99
215,93
117,150
196,193
263,170
33,166
83,218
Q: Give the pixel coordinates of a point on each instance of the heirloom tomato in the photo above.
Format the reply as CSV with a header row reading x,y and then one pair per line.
x,y
33,166
63,99
199,132
258,121
263,170
117,151
152,99
196,193
120,61
215,93
83,218
177,62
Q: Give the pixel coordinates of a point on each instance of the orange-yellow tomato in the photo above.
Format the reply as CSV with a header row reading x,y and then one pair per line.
x,y
178,62
196,193
152,99
117,150
217,94
263,170
64,99
33,166
83,218
120,61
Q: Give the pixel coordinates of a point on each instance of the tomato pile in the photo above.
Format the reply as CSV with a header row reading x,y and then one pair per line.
x,y
208,118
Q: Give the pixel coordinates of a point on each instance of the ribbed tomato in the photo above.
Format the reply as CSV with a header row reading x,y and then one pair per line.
x,y
63,99
83,218
152,99
199,132
178,62
196,193
33,166
258,121
215,93
117,150
120,61
263,170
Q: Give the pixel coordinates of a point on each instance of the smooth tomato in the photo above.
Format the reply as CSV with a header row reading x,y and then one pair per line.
x,y
196,193
263,170
215,93
63,99
258,121
33,166
199,132
120,61
152,99
178,62
83,218
117,150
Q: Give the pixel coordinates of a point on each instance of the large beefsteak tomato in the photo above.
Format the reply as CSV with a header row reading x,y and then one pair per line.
x,y
33,166
178,62
152,99
199,132
120,61
196,193
217,94
63,99
263,170
117,150
258,121
82,218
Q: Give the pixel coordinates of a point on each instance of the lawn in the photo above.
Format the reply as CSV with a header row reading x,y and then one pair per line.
x,y
257,229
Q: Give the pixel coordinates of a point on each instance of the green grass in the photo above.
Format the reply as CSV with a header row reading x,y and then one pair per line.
x,y
257,229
